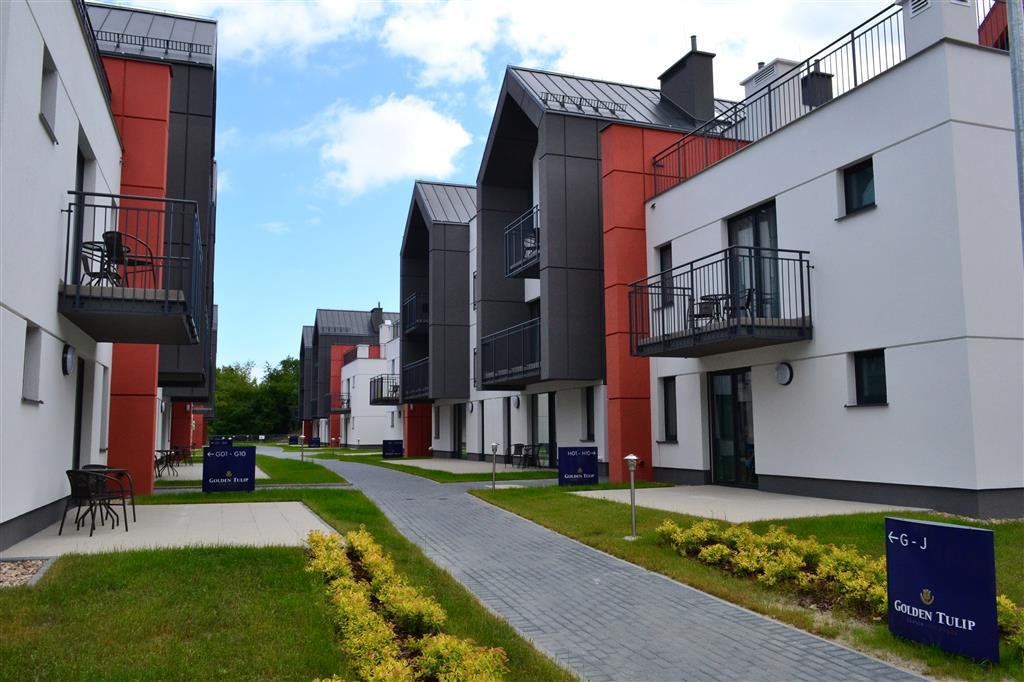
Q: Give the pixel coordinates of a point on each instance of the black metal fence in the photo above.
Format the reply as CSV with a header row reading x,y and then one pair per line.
x,y
511,353
416,379
871,48
522,242
763,292
415,311
385,389
136,248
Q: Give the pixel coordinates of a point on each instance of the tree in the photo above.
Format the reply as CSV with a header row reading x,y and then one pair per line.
x,y
247,406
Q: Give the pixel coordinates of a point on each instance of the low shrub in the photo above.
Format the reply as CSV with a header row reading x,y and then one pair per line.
x,y
327,556
365,635
1011,622
450,659
716,554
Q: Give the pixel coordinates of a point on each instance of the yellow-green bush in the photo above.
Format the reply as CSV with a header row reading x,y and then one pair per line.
x,y
365,636
327,556
716,554
450,659
1011,622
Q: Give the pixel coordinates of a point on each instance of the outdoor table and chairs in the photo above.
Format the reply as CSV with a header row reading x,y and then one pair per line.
x,y
121,474
97,490
118,259
164,461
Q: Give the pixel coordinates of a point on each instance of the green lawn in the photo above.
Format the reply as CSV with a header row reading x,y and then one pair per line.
x,y
308,450
603,524
281,471
442,476
220,613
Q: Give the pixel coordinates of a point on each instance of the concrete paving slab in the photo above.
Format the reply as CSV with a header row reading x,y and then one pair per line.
x,y
738,505
256,524
458,466
194,472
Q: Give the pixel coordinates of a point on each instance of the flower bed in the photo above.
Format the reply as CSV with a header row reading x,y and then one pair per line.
x,y
388,629
826,575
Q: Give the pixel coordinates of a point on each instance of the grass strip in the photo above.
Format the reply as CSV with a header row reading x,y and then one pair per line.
x,y
442,476
603,524
278,470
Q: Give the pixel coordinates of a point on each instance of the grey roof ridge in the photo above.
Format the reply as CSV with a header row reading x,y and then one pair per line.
x,y
514,67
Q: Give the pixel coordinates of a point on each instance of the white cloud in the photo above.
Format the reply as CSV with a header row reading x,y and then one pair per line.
x,y
223,181
276,227
452,41
395,139
252,31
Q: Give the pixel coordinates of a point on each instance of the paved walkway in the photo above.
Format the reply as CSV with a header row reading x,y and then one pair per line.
x,y
603,618
738,505
257,524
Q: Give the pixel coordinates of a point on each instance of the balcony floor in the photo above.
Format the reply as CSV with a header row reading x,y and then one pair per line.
x,y
514,378
725,337
128,315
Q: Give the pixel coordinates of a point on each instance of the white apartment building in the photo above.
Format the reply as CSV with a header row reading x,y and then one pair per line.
x,y
58,134
836,308
372,414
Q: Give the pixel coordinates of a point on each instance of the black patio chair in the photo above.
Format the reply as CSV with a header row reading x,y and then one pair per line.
x,y
97,266
128,252
119,473
742,303
95,491
703,310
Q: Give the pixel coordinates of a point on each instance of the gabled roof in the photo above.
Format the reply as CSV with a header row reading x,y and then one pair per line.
x,y
348,322
606,100
307,335
447,203
148,34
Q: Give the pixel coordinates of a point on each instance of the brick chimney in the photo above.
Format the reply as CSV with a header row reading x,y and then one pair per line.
x,y
376,317
690,84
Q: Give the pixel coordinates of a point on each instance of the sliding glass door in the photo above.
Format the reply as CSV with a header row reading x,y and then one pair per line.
x,y
732,428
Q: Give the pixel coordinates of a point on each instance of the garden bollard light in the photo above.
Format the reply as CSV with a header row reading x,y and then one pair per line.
x,y
631,461
494,464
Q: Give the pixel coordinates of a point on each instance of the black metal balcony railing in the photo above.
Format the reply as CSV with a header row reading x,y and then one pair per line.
x,y
134,255
339,402
385,389
741,297
522,245
870,49
416,380
511,354
415,312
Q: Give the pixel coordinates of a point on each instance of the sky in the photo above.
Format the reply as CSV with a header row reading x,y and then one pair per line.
x,y
328,111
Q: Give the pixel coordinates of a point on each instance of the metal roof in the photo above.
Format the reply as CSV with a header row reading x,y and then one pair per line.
x,y
606,100
447,203
348,322
307,335
148,34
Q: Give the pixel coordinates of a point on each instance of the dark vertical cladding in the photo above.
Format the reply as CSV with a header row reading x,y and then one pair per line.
x,y
306,374
690,84
337,328
435,267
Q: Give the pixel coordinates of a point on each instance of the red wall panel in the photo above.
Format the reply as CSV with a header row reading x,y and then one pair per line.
x,y
416,425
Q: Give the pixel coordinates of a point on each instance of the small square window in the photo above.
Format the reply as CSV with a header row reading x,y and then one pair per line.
x,y
588,413
859,186
668,391
869,373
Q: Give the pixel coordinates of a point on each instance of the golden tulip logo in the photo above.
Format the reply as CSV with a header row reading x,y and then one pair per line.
x,y
927,597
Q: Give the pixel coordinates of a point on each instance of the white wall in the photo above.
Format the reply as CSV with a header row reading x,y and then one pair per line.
x,y
366,424
35,175
933,275
391,345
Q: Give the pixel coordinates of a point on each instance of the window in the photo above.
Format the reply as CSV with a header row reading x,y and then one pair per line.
x,y
30,365
475,290
392,419
664,267
437,422
588,413
859,186
869,374
105,409
48,96
668,390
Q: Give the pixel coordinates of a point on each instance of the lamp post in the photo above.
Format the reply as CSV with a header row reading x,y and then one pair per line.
x,y
494,464
631,461
302,448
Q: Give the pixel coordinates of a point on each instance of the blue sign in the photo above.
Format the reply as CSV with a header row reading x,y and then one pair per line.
x,y
577,466
314,442
393,449
227,468
221,441
293,440
942,586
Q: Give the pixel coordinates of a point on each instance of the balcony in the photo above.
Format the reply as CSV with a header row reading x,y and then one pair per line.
x,y
415,313
522,245
133,270
339,403
416,380
739,298
385,389
511,358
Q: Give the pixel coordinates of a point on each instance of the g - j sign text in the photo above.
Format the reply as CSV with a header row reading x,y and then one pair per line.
x,y
229,469
577,466
942,586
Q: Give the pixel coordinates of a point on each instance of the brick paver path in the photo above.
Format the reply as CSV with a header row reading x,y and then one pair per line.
x,y
603,618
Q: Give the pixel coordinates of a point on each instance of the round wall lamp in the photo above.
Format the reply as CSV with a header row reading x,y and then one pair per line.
x,y
67,359
784,373
515,401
